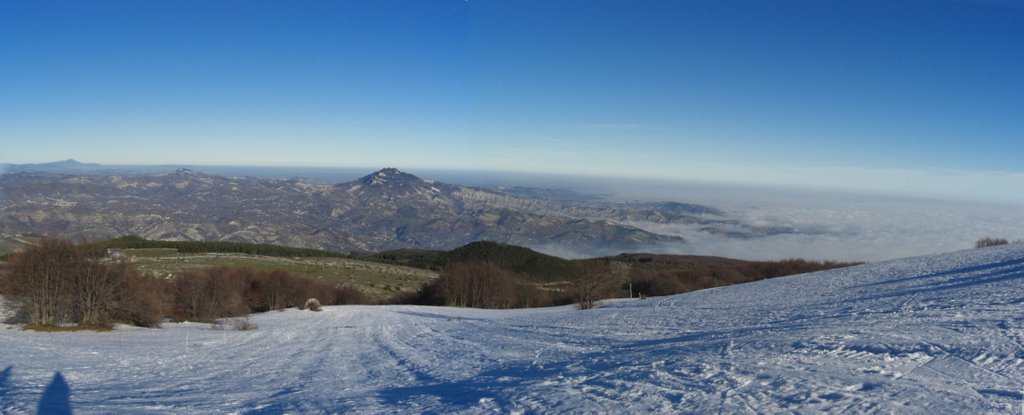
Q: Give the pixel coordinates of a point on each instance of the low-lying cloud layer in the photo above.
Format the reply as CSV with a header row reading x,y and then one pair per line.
x,y
827,226
867,232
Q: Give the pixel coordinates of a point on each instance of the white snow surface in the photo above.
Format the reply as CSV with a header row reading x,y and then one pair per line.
x,y
931,335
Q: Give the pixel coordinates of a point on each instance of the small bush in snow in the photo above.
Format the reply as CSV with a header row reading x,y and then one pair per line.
x,y
989,241
243,324
313,304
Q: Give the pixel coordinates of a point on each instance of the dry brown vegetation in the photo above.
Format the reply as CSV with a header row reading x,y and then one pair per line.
x,y
211,293
486,285
480,285
654,275
57,284
61,329
592,281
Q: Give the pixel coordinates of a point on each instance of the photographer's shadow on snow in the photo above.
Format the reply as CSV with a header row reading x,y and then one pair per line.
x,y
5,377
56,398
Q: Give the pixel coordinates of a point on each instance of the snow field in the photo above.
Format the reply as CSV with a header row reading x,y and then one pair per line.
x,y
936,334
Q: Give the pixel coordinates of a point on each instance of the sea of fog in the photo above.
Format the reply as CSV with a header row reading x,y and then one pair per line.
x,y
831,225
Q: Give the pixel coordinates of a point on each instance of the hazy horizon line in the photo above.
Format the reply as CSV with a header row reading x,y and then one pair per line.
x,y
572,179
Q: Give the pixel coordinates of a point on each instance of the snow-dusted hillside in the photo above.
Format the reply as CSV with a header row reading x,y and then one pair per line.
x,y
938,334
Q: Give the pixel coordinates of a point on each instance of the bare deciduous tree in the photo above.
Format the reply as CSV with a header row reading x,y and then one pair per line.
x,y
37,281
483,285
56,282
594,281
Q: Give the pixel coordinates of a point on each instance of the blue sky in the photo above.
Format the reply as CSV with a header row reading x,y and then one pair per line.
x,y
898,96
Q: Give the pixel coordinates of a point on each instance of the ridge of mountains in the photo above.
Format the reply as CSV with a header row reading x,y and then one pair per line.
x,y
385,210
63,165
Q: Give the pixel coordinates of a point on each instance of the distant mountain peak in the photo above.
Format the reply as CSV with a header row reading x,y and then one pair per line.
x,y
389,175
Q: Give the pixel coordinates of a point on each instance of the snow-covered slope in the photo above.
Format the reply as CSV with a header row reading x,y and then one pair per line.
x,y
938,334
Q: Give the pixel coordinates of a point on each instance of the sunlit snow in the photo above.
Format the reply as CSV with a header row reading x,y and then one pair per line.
x,y
937,334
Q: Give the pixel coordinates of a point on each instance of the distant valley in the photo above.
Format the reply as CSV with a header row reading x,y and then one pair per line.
x,y
385,210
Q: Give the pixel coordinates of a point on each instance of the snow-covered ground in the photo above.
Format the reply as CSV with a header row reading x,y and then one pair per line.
x,y
937,334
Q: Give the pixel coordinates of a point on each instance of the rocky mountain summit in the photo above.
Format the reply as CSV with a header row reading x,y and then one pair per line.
x,y
387,209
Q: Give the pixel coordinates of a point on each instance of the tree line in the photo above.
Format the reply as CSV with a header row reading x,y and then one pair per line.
x,y
200,247
488,285
481,285
59,283
656,281
516,259
211,293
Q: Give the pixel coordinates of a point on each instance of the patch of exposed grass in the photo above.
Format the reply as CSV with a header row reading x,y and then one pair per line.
x,y
378,281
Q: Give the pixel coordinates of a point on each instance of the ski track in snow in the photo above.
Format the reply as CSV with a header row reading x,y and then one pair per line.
x,y
931,335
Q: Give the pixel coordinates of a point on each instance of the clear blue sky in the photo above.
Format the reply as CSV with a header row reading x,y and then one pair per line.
x,y
893,94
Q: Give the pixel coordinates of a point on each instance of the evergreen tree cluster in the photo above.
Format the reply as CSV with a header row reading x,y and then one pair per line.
x,y
199,247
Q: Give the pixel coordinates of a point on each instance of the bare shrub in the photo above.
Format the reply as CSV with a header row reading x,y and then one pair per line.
x,y
145,300
4,269
480,285
208,294
266,291
593,282
657,283
348,295
243,324
792,266
38,281
989,241
690,274
96,286
57,283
